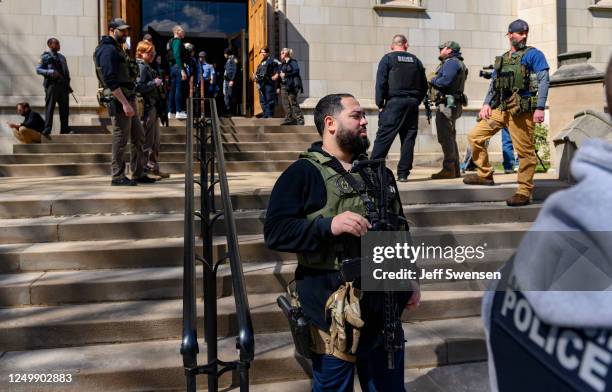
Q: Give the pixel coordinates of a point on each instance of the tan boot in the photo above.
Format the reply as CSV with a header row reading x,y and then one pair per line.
x,y
443,175
518,200
474,179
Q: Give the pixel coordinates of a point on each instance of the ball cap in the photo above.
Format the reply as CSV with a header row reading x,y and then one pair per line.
x,y
450,44
518,26
118,23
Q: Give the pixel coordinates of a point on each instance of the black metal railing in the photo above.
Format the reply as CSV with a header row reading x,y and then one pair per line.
x,y
204,132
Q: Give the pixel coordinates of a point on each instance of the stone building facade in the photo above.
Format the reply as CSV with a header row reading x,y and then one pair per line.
x,y
337,42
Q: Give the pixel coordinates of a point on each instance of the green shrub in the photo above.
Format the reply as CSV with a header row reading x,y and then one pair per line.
x,y
541,142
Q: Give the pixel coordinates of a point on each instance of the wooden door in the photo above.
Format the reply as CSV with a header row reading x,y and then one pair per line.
x,y
258,38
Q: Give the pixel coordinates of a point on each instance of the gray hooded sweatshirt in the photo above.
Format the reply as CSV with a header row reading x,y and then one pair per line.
x,y
563,265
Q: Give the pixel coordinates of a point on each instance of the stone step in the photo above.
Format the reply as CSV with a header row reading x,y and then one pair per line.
x,y
156,365
84,148
142,226
81,169
472,377
84,195
131,284
269,129
101,129
252,121
30,327
178,138
158,252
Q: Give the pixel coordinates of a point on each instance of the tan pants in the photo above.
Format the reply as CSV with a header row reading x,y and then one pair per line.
x,y
26,135
521,130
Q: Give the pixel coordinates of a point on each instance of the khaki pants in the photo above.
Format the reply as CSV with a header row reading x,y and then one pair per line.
x,y
521,130
26,135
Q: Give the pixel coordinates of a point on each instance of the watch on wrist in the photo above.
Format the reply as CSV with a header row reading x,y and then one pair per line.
x,y
539,108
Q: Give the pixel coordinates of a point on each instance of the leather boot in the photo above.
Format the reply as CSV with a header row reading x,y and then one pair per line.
x,y
443,175
474,179
518,200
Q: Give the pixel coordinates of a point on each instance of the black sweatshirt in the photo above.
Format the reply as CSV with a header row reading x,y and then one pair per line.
x,y
299,191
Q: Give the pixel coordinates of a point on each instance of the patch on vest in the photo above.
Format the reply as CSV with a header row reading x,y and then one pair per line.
x,y
343,186
405,59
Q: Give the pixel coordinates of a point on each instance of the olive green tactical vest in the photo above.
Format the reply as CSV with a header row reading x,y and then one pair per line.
x,y
511,75
341,197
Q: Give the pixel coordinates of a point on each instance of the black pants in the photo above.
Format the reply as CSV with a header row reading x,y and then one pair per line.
x,y
56,93
400,115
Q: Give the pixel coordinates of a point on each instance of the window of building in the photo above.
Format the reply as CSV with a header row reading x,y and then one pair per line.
x,y
601,5
407,5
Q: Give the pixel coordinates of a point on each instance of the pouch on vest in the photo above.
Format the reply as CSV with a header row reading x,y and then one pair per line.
x,y
140,106
346,323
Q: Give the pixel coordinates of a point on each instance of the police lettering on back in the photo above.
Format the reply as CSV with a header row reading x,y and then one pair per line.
x,y
579,358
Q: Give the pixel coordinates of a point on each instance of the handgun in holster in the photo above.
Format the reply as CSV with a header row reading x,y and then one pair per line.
x,y
299,325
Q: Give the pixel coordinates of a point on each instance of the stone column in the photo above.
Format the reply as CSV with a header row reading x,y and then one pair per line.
x,y
576,86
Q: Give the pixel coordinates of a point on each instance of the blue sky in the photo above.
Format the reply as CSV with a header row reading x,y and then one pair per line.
x,y
196,16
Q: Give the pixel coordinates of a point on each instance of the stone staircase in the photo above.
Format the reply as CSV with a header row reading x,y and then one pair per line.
x,y
260,145
91,276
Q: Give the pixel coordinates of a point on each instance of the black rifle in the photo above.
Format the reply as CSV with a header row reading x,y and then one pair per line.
x,y
374,175
161,99
428,113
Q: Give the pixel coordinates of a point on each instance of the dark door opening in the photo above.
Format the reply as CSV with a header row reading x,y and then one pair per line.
x,y
211,26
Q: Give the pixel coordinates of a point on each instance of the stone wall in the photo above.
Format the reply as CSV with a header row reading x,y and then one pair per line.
x,y
340,42
587,25
26,26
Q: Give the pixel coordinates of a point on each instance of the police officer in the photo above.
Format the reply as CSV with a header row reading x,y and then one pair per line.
x,y
313,211
446,89
208,83
230,75
400,86
291,86
117,74
54,68
266,77
516,99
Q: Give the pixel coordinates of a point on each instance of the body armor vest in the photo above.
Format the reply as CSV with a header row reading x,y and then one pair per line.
x,y
403,74
264,71
341,197
512,81
128,72
438,96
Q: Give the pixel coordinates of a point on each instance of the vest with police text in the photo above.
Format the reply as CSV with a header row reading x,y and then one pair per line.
x,y
531,355
403,73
